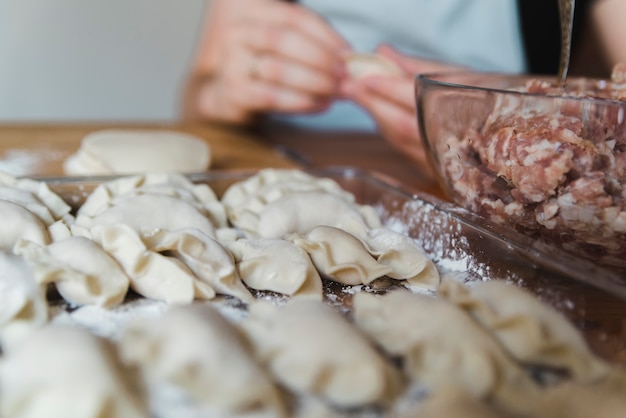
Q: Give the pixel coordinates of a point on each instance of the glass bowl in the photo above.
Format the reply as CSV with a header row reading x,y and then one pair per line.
x,y
517,150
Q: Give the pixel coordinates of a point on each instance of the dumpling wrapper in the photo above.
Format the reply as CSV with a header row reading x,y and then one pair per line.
x,y
532,331
197,349
270,184
443,347
67,372
312,350
407,259
83,273
23,304
35,196
340,256
16,223
174,185
132,151
208,260
276,202
276,265
146,213
152,275
361,65
299,212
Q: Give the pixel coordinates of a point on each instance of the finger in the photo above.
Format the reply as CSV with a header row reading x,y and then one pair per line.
x,y
397,123
276,13
294,75
293,45
398,90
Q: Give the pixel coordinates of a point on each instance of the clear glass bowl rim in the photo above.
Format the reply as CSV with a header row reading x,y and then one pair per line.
x,y
446,79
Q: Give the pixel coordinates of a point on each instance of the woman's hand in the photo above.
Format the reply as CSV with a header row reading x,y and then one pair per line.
x,y
391,101
264,56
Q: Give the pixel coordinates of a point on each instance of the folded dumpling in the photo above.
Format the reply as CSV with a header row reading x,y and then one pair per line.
x,y
17,223
152,275
407,259
23,305
532,331
67,372
313,350
145,213
275,203
341,256
82,271
170,184
198,350
441,346
35,196
276,265
270,184
208,260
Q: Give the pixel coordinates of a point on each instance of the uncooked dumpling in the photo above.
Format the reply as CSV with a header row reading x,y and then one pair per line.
x,y
271,184
312,350
197,349
16,223
533,332
134,151
299,212
209,261
23,305
340,256
67,372
441,346
175,185
81,270
406,259
146,213
277,202
276,265
153,275
35,196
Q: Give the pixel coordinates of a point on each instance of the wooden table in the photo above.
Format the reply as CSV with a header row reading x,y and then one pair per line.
x,y
41,149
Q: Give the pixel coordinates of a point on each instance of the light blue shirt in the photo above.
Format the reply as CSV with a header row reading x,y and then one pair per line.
x,y
481,34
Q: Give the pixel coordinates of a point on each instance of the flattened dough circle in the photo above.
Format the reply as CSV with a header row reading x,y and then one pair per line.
x,y
115,151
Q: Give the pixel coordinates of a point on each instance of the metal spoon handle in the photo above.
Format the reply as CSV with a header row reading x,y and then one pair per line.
x,y
566,14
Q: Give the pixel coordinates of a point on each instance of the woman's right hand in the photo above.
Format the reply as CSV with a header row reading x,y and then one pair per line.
x,y
261,56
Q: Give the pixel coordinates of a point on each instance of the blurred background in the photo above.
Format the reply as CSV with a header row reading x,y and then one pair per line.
x,y
94,60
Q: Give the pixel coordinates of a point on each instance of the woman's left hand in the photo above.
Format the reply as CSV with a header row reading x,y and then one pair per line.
x,y
390,100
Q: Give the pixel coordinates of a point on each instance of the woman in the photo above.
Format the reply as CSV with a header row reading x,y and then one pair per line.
x,y
286,60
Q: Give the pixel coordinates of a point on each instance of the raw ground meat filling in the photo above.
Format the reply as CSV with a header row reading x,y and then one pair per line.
x,y
555,170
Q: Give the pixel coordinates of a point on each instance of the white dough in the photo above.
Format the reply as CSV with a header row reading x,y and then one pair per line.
x,y
312,350
67,372
275,202
197,349
362,65
17,222
209,261
133,151
276,265
82,271
406,259
146,213
23,305
152,275
341,256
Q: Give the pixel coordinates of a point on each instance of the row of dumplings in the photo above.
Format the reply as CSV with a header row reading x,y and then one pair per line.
x,y
492,350
170,239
